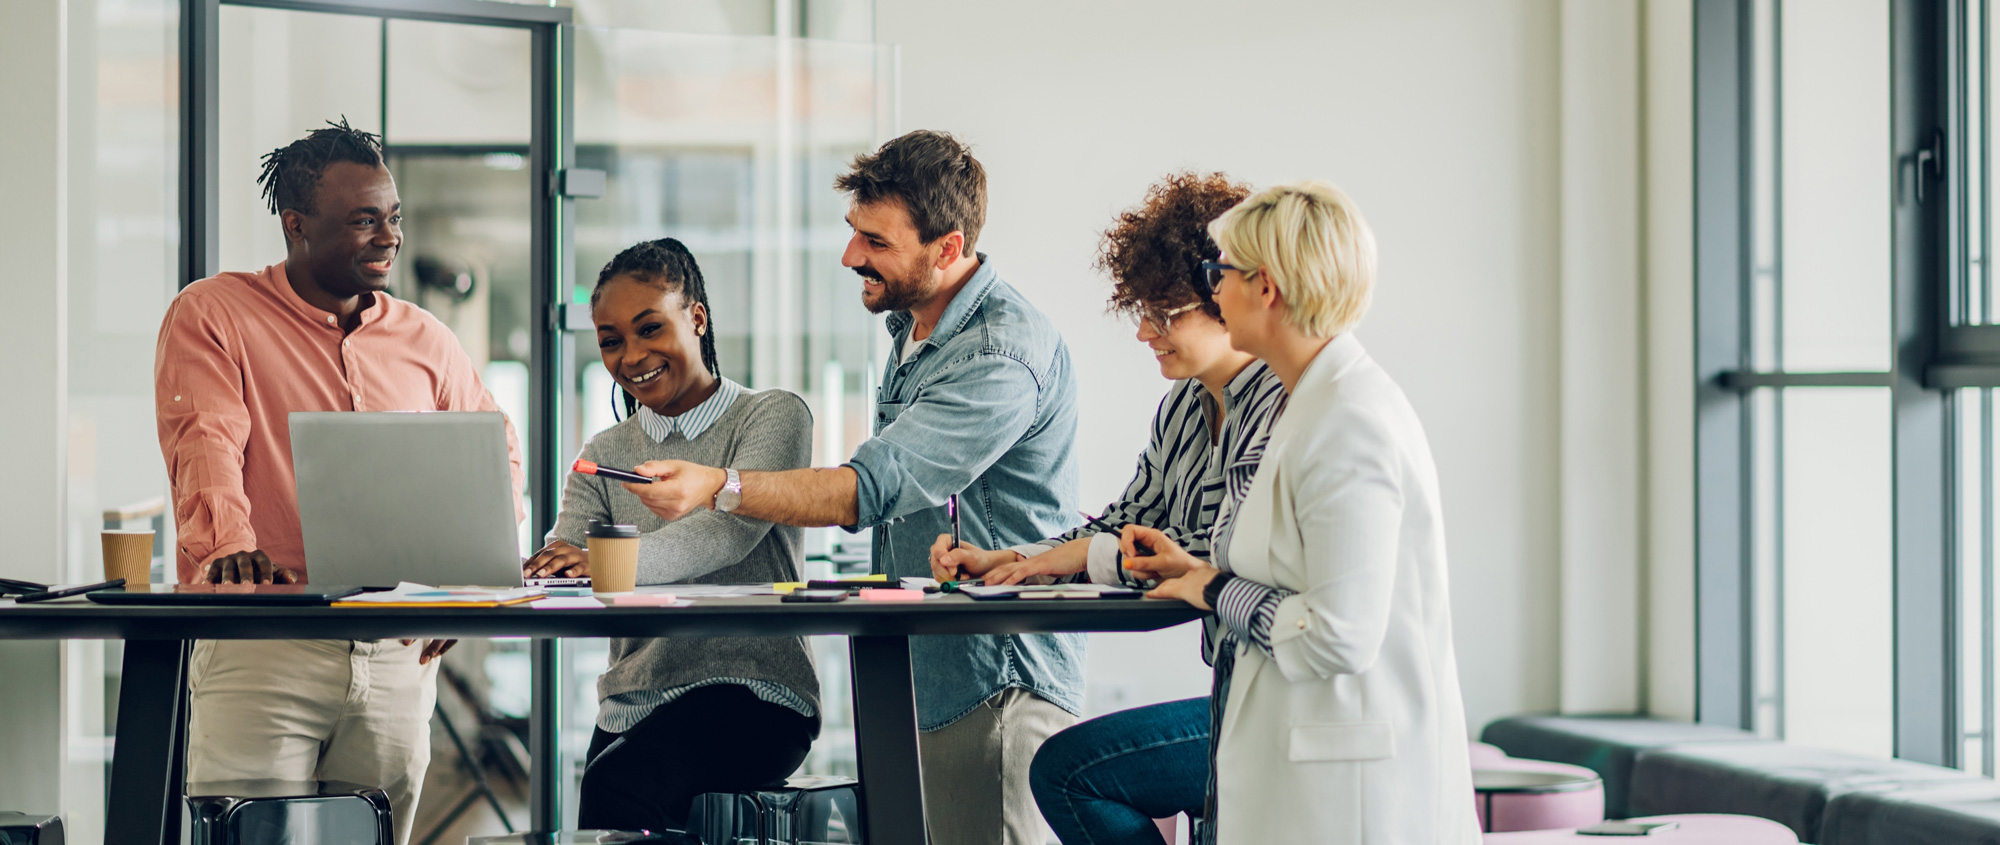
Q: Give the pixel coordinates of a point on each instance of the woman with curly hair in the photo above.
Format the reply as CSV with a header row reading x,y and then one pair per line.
x,y
1106,779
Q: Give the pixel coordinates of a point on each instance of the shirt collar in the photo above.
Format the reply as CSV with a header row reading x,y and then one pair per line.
x,y
282,287
1241,384
697,420
959,312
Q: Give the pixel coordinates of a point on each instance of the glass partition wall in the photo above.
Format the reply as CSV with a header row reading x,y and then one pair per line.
x,y
718,122
123,242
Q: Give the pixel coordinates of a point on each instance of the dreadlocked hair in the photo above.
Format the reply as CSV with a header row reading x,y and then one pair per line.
x,y
292,172
667,265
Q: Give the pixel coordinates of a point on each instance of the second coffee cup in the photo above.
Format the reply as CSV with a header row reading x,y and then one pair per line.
x,y
128,555
614,557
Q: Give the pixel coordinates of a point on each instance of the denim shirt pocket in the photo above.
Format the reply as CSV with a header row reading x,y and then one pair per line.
x,y
886,413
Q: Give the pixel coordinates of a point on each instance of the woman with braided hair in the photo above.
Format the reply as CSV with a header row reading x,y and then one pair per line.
x,y
680,717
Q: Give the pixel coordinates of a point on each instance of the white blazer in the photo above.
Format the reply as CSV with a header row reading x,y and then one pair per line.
x,y
1355,731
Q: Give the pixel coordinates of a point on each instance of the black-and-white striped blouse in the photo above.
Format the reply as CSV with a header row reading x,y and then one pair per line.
x,y
1184,474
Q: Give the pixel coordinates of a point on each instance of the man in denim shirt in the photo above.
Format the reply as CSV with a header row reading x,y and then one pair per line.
x,y
979,401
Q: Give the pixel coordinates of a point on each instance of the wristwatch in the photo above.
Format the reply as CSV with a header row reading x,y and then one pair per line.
x,y
730,496
1212,593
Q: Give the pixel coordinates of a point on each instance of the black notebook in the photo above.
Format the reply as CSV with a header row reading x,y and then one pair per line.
x,y
225,594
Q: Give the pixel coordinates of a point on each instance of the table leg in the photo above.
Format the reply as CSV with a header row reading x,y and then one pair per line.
x,y
146,774
545,770
885,740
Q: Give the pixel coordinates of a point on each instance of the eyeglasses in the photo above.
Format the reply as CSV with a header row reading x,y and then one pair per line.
x,y
1160,321
1210,276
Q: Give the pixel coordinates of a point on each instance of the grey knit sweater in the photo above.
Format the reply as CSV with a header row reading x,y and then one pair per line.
x,y
762,430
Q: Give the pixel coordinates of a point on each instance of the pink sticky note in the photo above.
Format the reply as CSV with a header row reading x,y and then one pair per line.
x,y
873,594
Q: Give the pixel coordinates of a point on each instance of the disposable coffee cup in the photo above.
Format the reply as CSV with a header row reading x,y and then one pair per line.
x,y
128,555
614,557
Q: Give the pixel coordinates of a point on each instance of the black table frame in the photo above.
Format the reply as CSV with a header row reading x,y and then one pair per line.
x,y
146,772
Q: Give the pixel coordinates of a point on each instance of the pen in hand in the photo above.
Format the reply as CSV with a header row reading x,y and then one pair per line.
x,y
951,507
1103,525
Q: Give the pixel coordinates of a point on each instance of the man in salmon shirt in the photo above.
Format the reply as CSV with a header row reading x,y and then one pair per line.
x,y
240,352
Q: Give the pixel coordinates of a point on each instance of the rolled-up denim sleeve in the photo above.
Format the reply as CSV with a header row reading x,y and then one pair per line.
x,y
958,425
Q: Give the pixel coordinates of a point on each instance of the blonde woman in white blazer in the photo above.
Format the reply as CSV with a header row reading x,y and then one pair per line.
x,y
1337,704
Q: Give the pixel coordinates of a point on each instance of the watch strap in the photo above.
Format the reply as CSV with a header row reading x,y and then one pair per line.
x,y
1212,592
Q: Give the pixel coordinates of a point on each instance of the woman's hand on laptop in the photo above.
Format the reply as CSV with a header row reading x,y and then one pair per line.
x,y
252,567
557,560
680,487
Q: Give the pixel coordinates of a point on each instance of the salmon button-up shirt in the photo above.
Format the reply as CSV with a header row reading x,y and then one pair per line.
x,y
238,353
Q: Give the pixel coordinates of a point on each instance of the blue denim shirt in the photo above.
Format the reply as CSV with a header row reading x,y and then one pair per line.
x,y
986,408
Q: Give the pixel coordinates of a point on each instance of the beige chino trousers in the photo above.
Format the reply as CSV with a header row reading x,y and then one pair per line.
x,y
304,710
975,770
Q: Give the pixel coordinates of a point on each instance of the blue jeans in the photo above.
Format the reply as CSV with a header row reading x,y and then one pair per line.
x,y
1106,780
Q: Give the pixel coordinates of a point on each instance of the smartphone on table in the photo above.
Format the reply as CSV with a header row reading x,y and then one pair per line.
x,y
815,595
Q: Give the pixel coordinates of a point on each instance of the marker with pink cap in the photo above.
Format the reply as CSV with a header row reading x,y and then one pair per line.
x,y
587,467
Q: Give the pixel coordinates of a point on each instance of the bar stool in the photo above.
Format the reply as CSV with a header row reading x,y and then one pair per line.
x,y
241,812
819,809
24,829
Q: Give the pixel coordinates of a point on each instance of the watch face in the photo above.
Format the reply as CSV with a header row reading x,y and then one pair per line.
x,y
731,493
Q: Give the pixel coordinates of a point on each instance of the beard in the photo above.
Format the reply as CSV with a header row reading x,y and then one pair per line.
x,y
898,294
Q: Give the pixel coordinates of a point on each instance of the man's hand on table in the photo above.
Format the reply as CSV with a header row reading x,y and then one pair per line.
x,y
557,560
252,567
680,487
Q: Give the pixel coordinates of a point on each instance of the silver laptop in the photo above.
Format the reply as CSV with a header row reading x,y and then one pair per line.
x,y
424,497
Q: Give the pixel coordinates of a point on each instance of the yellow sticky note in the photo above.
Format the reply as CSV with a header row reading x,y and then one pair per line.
x,y
788,586
870,578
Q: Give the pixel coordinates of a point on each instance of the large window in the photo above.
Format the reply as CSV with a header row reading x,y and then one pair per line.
x,y
1844,422
1969,370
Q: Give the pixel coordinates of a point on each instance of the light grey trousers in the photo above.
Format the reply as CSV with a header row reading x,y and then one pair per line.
x,y
358,712
976,771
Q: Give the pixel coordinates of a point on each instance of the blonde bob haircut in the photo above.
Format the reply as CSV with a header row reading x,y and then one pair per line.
x,y
1310,241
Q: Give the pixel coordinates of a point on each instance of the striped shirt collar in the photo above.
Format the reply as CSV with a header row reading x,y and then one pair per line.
x,y
696,420
1251,375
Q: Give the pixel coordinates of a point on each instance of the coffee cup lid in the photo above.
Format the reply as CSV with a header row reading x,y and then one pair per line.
x,y
609,530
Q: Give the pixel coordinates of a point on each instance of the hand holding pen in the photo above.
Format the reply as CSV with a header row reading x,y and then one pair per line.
x,y
1150,553
954,561
1104,526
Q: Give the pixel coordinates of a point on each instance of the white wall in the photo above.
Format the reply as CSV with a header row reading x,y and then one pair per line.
x,y
34,60
1600,359
1670,358
1441,118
